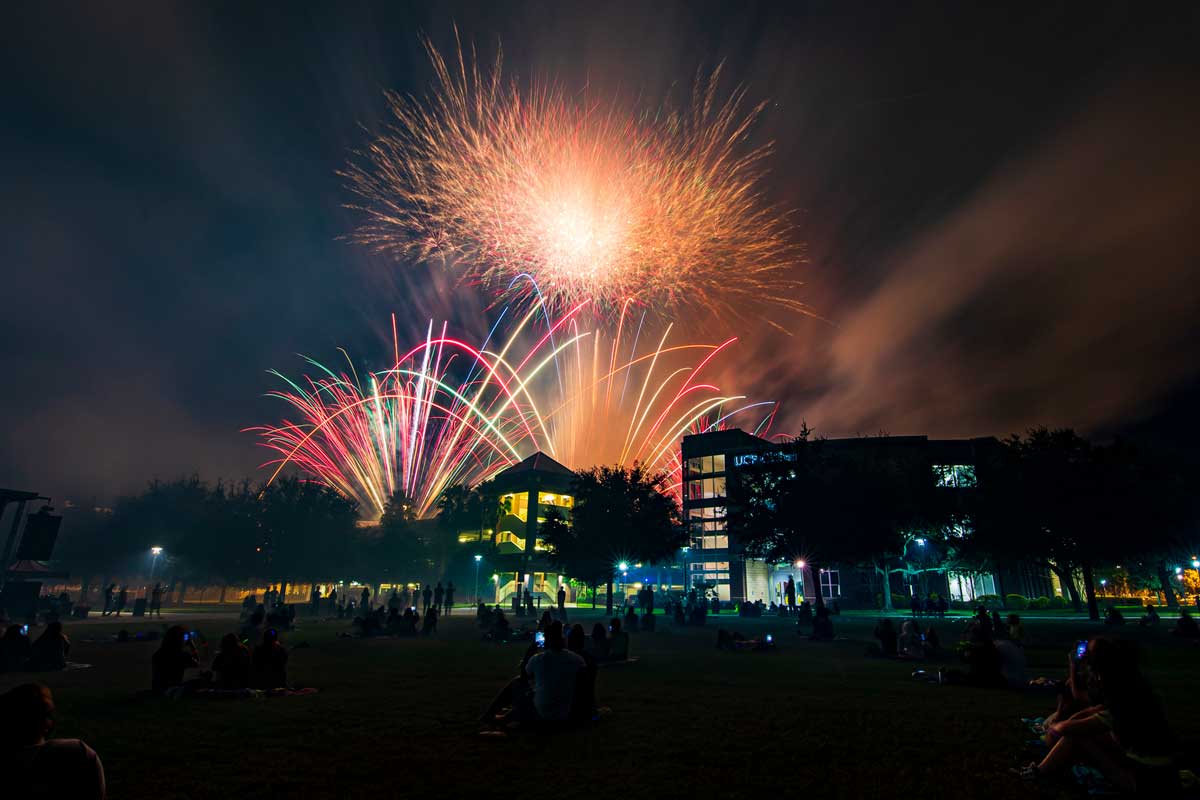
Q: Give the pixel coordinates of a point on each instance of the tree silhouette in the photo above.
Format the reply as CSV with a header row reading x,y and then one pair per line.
x,y
619,514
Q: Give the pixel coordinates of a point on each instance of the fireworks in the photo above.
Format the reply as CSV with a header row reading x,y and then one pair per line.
x,y
594,200
418,428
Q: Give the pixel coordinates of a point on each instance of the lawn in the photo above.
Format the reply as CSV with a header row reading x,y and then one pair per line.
x,y
397,718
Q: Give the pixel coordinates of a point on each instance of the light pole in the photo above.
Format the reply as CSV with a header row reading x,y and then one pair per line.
x,y
624,568
495,588
155,553
478,558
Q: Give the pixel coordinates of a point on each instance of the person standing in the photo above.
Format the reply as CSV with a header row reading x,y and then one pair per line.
x,y
439,594
364,604
790,589
315,599
427,597
108,599
122,598
449,599
156,600
562,600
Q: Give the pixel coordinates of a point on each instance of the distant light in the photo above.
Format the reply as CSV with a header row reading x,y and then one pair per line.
x,y
921,542
1179,570
800,564
623,566
157,551
1103,582
1195,563
478,558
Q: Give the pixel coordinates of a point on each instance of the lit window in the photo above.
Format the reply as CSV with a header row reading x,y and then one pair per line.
x,y
517,504
693,467
719,463
954,476
831,584
559,500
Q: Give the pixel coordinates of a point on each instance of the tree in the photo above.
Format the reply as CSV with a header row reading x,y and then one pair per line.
x,y
1056,499
619,514
397,546
861,504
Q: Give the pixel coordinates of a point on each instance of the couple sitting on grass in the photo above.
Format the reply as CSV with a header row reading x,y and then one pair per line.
x,y
556,685
1109,720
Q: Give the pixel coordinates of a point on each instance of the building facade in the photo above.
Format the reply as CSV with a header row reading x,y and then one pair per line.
x,y
715,562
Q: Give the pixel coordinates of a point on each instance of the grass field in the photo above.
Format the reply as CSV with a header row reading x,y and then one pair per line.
x,y
396,718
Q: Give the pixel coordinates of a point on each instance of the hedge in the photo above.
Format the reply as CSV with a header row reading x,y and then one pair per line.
x,y
1017,602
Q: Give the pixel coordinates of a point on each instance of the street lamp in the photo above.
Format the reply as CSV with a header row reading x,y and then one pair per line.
x,y
155,552
496,588
478,558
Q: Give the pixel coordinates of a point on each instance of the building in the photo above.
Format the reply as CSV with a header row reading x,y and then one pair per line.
x,y
522,495
712,463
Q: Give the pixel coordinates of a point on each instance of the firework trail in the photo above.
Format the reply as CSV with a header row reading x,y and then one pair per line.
x,y
596,201
419,429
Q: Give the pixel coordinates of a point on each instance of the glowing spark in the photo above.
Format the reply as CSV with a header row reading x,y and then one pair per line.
x,y
592,199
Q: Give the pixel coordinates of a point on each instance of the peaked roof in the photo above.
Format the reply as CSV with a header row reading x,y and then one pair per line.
x,y
539,462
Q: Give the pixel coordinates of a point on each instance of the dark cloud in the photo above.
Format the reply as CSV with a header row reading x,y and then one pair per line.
x,y
1064,292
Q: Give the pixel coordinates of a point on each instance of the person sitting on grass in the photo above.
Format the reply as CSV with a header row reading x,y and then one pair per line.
x,y
909,644
983,661
885,634
15,649
822,625
931,643
618,642
411,619
269,662
1151,619
554,673
173,657
1125,736
36,767
583,706
500,630
599,642
1016,629
1113,616
631,623
429,624
231,665
394,622
49,652
544,623
1185,626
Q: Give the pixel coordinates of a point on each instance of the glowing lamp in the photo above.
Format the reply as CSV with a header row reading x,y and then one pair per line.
x,y
623,566
156,551
478,558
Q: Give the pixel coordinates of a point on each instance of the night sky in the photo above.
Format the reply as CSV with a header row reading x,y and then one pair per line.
x,y
1000,211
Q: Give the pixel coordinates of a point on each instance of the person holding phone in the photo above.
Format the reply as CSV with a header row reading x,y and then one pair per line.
x,y
1125,735
174,656
15,648
554,671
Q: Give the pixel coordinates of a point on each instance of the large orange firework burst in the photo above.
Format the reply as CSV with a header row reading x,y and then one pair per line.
x,y
592,199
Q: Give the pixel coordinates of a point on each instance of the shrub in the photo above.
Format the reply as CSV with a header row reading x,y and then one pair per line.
x,y
1058,601
1017,602
1039,603
988,601
901,600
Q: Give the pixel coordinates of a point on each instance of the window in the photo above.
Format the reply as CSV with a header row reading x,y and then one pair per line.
x,y
517,505
719,463
695,490
954,476
713,488
559,500
692,467
713,542
831,584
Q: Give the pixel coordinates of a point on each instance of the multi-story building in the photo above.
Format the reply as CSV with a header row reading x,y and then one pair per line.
x,y
711,465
